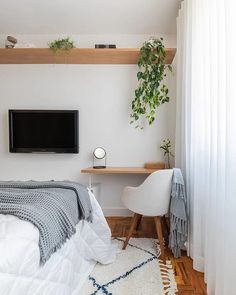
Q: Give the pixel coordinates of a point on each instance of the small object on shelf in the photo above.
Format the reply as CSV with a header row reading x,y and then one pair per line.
x,y
10,42
99,156
154,165
105,46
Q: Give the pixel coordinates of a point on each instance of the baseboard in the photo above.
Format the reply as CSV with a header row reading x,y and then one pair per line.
x,y
116,212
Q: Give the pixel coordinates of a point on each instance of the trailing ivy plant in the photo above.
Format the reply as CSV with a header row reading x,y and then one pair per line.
x,y
151,91
63,43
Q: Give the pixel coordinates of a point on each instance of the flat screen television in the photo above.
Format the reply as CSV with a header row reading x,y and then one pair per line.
x,y
43,131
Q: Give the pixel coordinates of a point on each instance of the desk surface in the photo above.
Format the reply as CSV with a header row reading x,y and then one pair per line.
x,y
119,170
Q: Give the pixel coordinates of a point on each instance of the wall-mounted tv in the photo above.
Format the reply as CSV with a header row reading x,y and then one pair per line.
x,y
43,131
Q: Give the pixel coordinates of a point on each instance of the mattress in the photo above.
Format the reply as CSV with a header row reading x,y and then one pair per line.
x,y
67,269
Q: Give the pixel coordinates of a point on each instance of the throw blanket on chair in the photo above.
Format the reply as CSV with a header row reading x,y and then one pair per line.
x,y
54,207
178,214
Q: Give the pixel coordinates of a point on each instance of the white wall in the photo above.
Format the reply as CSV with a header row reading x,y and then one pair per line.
x,y
102,94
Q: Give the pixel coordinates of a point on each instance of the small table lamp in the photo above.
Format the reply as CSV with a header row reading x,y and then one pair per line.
x,y
99,156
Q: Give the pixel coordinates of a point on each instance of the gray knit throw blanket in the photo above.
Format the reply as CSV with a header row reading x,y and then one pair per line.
x,y
178,214
54,207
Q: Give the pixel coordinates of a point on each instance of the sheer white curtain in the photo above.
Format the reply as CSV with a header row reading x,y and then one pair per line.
x,y
206,135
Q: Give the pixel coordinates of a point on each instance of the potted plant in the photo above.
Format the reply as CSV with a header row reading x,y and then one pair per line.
x,y
61,44
151,91
166,147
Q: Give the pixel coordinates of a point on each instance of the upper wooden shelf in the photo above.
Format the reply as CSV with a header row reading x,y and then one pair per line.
x,y
75,56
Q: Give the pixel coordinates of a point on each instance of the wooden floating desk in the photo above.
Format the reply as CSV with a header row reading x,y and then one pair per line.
x,y
119,170
116,170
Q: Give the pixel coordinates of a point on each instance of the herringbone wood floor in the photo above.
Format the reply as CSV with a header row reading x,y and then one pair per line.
x,y
190,282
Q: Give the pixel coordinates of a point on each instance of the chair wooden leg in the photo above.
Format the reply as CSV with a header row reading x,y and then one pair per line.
x,y
157,220
166,225
133,225
166,230
139,221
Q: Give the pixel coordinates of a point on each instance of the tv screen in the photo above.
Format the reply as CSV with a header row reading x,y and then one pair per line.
x,y
43,131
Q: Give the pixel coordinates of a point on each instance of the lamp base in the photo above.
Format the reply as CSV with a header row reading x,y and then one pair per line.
x,y
99,167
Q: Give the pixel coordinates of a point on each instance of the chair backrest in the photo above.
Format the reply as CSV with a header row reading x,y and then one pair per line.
x,y
152,197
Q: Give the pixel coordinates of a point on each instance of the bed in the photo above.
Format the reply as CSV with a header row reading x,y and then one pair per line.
x,y
67,269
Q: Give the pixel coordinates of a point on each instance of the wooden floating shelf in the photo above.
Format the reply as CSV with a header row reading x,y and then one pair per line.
x,y
75,56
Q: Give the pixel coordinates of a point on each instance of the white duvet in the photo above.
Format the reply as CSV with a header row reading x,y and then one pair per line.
x,y
65,272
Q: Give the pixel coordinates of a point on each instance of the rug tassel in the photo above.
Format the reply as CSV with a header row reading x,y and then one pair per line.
x,y
168,278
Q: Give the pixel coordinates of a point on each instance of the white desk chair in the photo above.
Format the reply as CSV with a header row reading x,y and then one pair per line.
x,y
151,198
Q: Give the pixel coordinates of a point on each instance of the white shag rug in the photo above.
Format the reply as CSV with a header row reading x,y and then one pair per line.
x,y
136,271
